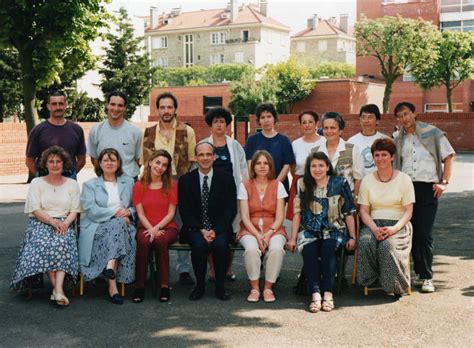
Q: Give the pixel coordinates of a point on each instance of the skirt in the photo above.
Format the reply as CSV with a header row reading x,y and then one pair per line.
x,y
44,250
113,240
385,260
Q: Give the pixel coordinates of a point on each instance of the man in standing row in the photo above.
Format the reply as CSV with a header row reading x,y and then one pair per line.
x,y
369,117
422,149
117,133
56,130
179,140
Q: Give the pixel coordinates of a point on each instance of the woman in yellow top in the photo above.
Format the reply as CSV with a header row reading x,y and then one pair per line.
x,y
386,199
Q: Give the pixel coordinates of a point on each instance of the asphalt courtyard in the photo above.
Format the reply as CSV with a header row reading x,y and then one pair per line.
x,y
444,318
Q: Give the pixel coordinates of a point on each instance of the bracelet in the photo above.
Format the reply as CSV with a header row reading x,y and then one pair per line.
x,y
354,238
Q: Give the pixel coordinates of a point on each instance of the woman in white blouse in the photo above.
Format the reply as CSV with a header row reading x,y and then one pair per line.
x,y
107,245
49,245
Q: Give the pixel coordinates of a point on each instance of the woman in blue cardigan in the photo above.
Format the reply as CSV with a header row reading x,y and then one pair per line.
x,y
107,243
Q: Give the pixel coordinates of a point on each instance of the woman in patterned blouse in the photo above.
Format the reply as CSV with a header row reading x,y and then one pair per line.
x,y
323,209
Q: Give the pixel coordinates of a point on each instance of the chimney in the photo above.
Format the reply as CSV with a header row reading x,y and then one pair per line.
x,y
153,17
234,10
263,7
313,22
344,22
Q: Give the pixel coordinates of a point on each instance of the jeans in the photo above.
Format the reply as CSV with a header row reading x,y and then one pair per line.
x,y
319,265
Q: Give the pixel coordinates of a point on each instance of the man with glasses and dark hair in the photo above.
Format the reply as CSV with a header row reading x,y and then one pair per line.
x,y
369,117
56,130
179,140
117,133
422,149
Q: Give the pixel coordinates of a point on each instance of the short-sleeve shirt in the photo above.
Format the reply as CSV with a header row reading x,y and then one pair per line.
x,y
155,203
56,201
69,136
302,149
386,199
364,144
417,160
278,146
126,139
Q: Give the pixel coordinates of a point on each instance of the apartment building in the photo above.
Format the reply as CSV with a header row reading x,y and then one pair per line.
x,y
236,34
446,15
325,40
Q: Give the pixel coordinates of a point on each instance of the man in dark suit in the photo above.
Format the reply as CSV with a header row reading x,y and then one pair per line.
x,y
207,202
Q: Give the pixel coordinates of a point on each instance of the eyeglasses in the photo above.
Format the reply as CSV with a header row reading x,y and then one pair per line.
x,y
403,114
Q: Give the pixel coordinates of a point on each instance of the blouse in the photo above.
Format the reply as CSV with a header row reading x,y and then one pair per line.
x,y
56,201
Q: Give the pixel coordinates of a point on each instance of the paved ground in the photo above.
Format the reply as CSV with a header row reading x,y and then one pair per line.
x,y
444,318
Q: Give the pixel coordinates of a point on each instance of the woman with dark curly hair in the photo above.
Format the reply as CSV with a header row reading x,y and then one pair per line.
x,y
49,245
107,241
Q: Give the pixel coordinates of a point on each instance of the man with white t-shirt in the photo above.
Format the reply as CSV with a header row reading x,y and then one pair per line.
x,y
369,117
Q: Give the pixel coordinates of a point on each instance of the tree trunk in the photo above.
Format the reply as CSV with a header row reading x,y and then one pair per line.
x,y
386,95
29,89
449,93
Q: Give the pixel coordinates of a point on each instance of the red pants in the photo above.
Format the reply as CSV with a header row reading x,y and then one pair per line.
x,y
161,245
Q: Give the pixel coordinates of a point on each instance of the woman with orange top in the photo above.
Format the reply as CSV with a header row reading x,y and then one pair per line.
x,y
262,201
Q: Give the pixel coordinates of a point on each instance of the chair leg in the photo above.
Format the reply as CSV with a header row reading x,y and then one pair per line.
x,y
354,268
122,289
341,269
81,284
366,291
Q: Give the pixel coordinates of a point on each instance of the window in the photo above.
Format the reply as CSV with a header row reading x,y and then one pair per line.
x,y
161,62
188,50
245,35
238,57
323,45
300,46
407,76
218,38
467,25
159,42
217,58
442,107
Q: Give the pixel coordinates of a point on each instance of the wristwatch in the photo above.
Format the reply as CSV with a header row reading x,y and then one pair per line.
x,y
444,182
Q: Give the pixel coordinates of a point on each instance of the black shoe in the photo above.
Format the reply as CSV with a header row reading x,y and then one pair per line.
x,y
185,279
196,294
108,273
138,295
222,295
116,299
165,294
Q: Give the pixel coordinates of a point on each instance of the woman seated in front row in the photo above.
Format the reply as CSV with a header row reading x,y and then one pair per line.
x,y
262,202
49,244
386,200
107,239
323,209
155,196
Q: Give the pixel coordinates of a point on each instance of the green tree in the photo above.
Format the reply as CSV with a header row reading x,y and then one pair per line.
x,y
10,84
454,65
49,36
399,44
292,82
332,70
126,66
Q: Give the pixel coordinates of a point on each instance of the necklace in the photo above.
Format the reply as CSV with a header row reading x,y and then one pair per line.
x,y
380,179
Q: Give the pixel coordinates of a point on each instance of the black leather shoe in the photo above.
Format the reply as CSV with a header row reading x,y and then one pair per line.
x,y
108,273
116,299
185,279
223,295
196,294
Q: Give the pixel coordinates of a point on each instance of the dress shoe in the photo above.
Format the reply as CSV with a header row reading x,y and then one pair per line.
x,y
223,295
116,299
196,294
185,279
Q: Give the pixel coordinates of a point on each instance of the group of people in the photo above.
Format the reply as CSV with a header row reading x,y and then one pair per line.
x,y
213,193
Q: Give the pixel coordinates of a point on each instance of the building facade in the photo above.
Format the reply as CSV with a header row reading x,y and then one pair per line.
x,y
324,40
236,34
446,15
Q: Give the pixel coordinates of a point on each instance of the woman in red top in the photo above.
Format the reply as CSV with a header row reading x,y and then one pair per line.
x,y
155,197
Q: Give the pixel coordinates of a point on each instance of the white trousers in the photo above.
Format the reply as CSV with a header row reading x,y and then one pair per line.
x,y
273,257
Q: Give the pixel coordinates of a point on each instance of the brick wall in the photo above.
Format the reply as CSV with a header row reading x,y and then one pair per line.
x,y
459,127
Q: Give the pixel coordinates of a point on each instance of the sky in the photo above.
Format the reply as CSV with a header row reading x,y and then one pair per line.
x,y
292,13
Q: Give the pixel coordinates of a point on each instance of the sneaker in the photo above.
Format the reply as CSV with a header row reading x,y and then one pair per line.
x,y
417,281
427,286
